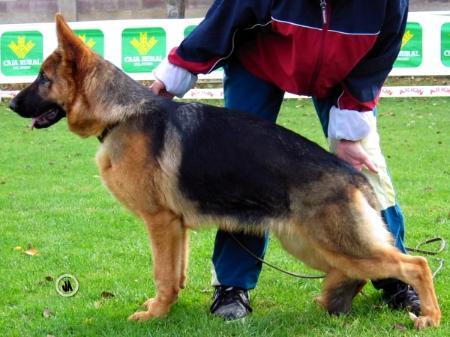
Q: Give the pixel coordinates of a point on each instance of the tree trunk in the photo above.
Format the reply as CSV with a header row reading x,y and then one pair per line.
x,y
175,9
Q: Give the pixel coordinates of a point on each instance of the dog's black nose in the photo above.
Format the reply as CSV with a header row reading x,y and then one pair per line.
x,y
13,105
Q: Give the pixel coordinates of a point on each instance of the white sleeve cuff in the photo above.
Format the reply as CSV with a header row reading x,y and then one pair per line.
x,y
350,124
177,80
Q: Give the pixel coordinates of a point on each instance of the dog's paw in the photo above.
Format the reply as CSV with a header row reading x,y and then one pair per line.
x,y
140,316
155,308
422,322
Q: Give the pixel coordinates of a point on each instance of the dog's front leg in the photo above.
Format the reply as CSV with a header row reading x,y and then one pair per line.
x,y
167,236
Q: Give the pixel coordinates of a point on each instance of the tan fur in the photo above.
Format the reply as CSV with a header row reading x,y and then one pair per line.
x,y
325,239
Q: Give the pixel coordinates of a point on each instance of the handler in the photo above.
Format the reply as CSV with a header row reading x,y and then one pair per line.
x,y
337,51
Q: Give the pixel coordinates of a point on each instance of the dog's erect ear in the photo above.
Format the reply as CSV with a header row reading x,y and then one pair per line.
x,y
72,47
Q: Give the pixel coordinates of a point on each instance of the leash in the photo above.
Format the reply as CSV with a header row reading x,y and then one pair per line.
x,y
417,249
303,276
439,250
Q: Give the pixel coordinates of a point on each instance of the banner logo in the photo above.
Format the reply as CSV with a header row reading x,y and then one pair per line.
x,y
93,38
21,53
406,38
90,43
22,47
143,49
143,45
410,55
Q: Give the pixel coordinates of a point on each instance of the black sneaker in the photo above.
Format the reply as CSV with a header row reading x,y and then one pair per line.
x,y
230,303
402,296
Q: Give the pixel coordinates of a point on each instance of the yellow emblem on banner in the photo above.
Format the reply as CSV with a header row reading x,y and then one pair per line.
x,y
22,47
407,37
143,45
90,43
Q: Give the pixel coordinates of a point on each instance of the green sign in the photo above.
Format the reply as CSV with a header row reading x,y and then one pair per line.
x,y
21,53
445,44
143,49
188,30
410,55
93,38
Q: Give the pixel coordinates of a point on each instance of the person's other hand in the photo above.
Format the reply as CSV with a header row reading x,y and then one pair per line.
x,y
353,153
159,89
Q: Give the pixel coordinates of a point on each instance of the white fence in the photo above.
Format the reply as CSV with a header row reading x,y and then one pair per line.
x,y
137,46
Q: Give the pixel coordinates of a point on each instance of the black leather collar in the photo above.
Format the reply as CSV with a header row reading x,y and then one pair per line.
x,y
105,132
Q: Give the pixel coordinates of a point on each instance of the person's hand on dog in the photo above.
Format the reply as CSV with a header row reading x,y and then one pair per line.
x,y
353,153
159,89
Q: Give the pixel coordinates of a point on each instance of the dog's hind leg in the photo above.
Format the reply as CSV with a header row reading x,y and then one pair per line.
x,y
338,292
414,270
168,243
388,262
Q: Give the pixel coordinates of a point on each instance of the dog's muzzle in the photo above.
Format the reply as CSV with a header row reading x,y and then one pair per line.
x,y
42,117
48,118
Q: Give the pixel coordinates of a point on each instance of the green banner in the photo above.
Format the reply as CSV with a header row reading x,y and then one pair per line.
x,y
188,30
21,53
143,49
410,55
445,44
93,38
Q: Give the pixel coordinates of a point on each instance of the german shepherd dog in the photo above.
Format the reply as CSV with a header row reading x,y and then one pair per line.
x,y
179,165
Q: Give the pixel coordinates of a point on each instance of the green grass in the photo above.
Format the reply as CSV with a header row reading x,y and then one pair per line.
x,y
51,197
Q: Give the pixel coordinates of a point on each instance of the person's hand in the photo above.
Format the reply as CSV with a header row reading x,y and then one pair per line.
x,y
353,153
159,89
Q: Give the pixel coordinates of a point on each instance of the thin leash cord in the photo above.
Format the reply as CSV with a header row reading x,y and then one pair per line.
x,y
431,252
304,276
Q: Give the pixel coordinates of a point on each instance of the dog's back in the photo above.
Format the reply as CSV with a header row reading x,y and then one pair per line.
x,y
248,173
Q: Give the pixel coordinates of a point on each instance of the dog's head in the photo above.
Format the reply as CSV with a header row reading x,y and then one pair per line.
x,y
60,90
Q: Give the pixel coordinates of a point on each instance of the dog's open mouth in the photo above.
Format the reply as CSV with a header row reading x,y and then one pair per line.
x,y
48,118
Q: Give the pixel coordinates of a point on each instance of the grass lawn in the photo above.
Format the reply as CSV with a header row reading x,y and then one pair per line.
x,y
51,197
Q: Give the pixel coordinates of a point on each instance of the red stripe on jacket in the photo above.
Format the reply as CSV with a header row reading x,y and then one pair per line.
x,y
280,58
192,66
347,101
